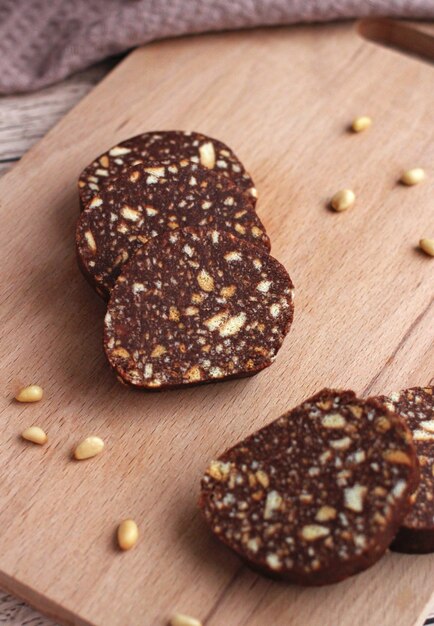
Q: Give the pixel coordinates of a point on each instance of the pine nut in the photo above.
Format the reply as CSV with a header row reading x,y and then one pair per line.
x,y
413,176
35,434
427,245
184,620
343,200
89,447
361,123
128,533
32,393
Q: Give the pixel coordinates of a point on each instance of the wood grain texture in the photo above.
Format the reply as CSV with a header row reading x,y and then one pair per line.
x,y
14,612
25,118
364,319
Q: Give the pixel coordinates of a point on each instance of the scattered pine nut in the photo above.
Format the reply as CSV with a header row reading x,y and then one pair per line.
x,y
343,200
427,245
361,123
184,620
89,447
413,176
32,393
35,434
128,533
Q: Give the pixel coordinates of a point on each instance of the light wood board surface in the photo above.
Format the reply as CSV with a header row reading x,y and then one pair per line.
x,y
364,319
24,119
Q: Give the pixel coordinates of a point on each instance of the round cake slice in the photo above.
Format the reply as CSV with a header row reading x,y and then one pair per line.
x,y
167,146
416,407
146,201
317,495
195,306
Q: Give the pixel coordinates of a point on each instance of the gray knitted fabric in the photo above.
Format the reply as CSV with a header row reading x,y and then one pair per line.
x,y
43,41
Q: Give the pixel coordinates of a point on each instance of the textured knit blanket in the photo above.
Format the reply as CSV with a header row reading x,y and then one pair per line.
x,y
43,41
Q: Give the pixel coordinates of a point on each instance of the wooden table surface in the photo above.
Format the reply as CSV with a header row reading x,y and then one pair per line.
x,y
23,120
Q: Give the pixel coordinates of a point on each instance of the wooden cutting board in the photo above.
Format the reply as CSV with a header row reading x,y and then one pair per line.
x,y
282,98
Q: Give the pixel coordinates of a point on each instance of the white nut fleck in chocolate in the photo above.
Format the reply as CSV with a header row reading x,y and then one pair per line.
x,y
427,425
90,240
191,310
262,478
216,372
357,411
207,154
219,470
193,374
353,497
119,151
273,561
419,434
273,503
148,370
121,353
341,444
95,202
264,286
382,424
205,281
325,514
312,532
174,314
275,309
232,325
138,288
254,544
228,292
325,456
216,321
158,351
158,171
399,488
130,214
333,420
232,256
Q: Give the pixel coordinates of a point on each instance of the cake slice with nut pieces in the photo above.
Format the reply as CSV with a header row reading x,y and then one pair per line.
x,y
416,407
146,201
194,306
318,494
164,146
